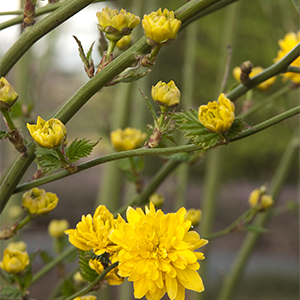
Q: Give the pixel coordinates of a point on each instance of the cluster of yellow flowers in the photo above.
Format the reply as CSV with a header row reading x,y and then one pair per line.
x,y
156,251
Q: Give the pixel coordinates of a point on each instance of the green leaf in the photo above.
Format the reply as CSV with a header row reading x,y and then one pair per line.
x,y
256,228
3,135
79,149
188,122
48,159
10,292
68,288
236,128
85,271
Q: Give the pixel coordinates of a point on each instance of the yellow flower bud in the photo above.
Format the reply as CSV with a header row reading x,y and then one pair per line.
x,y
193,215
124,42
87,297
17,246
116,24
48,134
57,228
291,40
15,212
217,116
14,261
160,27
157,199
260,200
255,71
78,278
127,139
8,96
38,202
166,94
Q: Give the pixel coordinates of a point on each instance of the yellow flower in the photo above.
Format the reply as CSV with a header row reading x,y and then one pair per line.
x,y
157,253
194,215
127,139
78,280
87,297
14,261
217,116
160,27
38,202
116,24
57,228
48,134
290,41
92,232
124,42
260,200
17,246
112,276
157,199
166,94
255,71
8,96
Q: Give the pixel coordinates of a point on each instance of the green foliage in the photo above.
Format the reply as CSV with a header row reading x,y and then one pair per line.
x,y
67,288
48,159
10,292
85,271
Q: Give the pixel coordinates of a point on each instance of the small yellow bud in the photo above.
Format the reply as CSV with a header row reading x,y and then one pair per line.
x,y
194,215
217,116
166,94
14,261
260,200
291,40
157,199
127,139
87,297
116,24
48,134
17,246
57,228
8,96
78,278
160,27
15,212
255,71
124,42
38,202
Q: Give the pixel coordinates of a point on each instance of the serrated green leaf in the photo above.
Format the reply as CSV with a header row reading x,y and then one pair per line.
x,y
236,128
10,292
85,271
188,122
48,159
89,54
81,52
3,135
79,149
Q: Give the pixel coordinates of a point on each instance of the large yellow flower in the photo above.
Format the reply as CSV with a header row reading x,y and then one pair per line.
x,y
127,139
158,253
290,41
92,232
217,116
14,261
48,134
160,27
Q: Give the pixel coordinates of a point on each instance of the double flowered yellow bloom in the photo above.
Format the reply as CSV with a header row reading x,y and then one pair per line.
x,y
160,27
166,94
116,24
127,139
8,96
93,231
260,200
14,261
291,40
157,253
255,71
48,134
217,116
38,202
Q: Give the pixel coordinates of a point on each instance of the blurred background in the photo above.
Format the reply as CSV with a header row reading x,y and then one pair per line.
x,y
51,72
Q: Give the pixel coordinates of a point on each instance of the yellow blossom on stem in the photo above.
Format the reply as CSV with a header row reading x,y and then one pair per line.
x,y
57,228
166,94
194,215
291,40
17,246
255,71
157,199
112,276
93,231
38,202
14,261
217,116
124,42
161,27
157,253
260,200
116,24
8,96
127,139
87,297
48,134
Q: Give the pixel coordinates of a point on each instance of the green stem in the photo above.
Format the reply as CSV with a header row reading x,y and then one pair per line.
x,y
154,52
231,281
94,283
156,151
61,156
8,119
111,47
22,223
